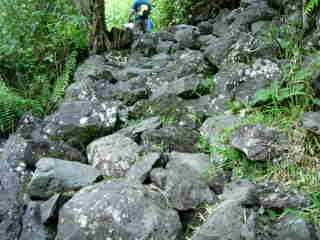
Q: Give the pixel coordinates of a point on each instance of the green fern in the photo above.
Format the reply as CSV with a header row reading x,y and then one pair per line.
x,y
64,80
311,6
13,106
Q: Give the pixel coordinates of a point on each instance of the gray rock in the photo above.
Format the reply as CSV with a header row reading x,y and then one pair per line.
x,y
182,186
213,127
11,203
226,222
27,124
251,13
118,209
55,175
15,151
294,228
128,92
80,121
171,138
113,154
136,130
219,48
32,226
36,150
142,168
206,40
220,23
205,27
185,87
186,36
198,162
172,110
165,46
49,209
146,45
311,122
231,26
241,82
95,68
231,212
248,48
277,197
286,5
241,191
21,152
259,143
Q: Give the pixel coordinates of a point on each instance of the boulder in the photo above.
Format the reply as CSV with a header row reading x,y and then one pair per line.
x,y
213,127
113,154
277,197
146,45
226,222
118,209
231,212
186,36
241,82
295,228
199,162
135,131
248,48
220,47
95,68
171,138
141,169
172,110
183,182
55,175
11,203
79,122
27,125
185,87
49,210
15,152
241,191
32,226
259,143
311,122
36,150
205,27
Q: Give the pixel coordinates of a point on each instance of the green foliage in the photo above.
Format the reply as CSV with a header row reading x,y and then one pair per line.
x,y
37,38
12,106
117,12
63,80
164,13
311,6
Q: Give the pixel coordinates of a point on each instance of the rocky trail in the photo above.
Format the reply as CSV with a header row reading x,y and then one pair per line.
x,y
120,158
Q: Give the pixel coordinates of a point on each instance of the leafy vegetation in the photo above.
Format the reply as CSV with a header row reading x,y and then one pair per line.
x,y
311,6
164,13
34,50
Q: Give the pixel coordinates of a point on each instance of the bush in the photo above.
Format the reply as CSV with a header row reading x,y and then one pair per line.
x,y
37,38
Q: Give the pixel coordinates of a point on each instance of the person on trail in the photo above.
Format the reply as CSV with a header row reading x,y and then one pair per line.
x,y
141,10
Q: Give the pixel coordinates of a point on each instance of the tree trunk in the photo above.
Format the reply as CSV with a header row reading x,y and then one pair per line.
x,y
94,10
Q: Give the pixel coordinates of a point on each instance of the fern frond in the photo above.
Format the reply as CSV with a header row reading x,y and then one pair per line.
x,y
13,106
63,81
311,6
